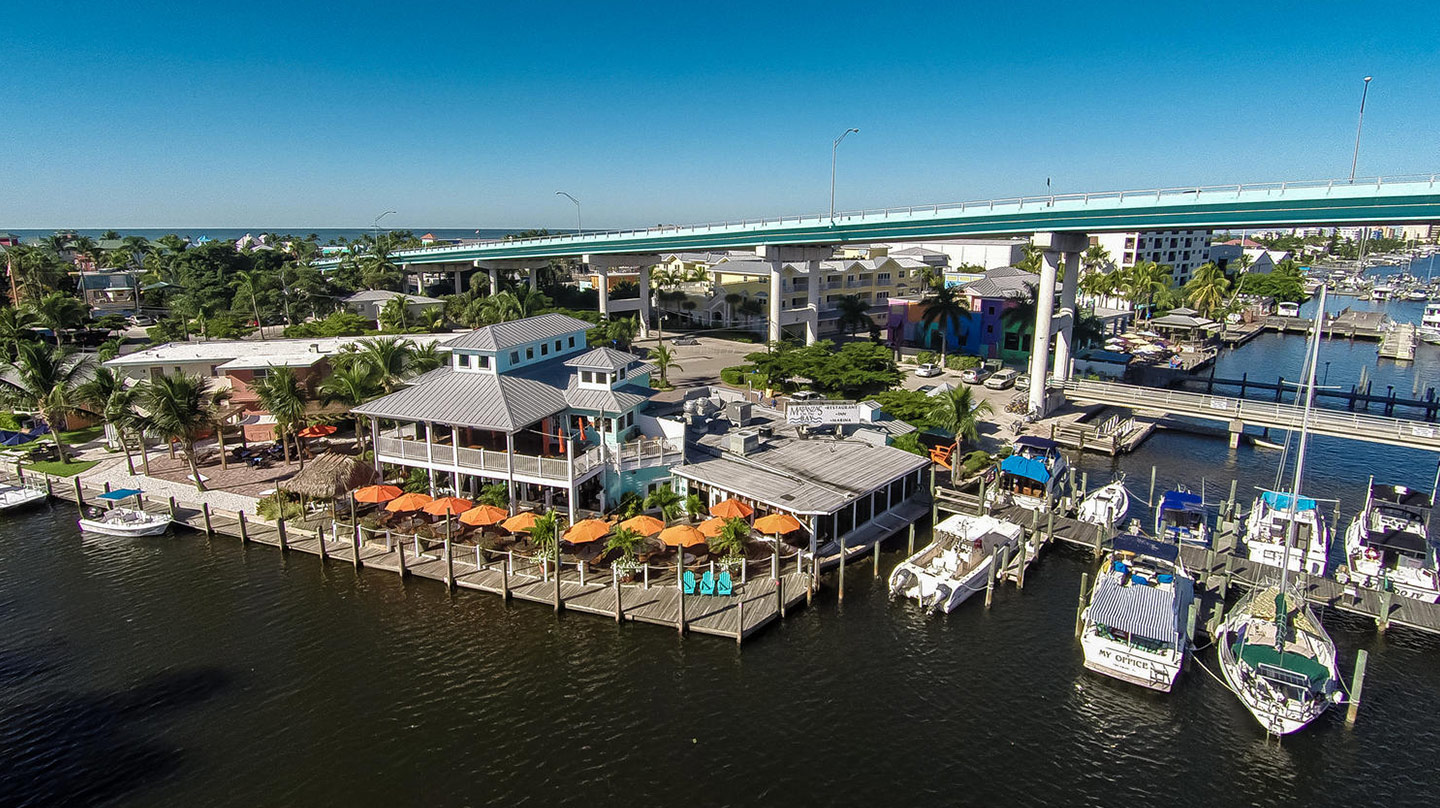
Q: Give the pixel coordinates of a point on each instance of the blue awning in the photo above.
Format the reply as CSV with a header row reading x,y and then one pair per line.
x,y
1181,501
1027,467
119,494
1144,611
1281,502
1140,545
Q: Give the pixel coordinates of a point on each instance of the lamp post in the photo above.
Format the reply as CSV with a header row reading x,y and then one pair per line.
x,y
578,229
376,224
1356,159
834,147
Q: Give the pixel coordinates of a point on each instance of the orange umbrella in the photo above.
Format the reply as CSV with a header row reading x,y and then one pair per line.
x,y
777,523
408,502
644,525
448,506
587,530
520,522
377,493
484,516
710,528
731,509
682,536
317,431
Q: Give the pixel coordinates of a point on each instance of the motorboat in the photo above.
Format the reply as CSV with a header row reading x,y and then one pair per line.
x,y
1105,506
1278,658
1430,323
123,521
1034,474
957,563
1135,624
1181,518
13,497
1388,546
1277,517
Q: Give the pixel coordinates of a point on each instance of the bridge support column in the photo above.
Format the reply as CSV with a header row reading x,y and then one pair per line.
x,y
645,301
812,304
775,331
1064,344
1237,427
602,286
1040,346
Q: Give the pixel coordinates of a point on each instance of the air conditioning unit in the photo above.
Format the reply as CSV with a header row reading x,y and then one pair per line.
x,y
743,443
738,413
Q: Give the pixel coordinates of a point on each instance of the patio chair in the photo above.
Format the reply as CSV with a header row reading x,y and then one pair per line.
x,y
723,586
687,582
707,583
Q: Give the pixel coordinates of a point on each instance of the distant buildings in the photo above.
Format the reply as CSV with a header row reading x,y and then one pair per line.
x,y
369,303
1183,250
986,329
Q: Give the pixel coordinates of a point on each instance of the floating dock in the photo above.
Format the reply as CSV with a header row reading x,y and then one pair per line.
x,y
1400,342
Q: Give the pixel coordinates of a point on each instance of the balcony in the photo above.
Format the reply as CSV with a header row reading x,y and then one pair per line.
x,y
637,454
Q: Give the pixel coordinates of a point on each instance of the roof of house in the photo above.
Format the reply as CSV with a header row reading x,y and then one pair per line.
x,y
222,351
1003,282
385,295
1178,318
502,401
518,332
603,359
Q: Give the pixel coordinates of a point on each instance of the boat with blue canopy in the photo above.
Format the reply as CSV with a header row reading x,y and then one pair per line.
x,y
1278,517
1034,474
122,520
1182,518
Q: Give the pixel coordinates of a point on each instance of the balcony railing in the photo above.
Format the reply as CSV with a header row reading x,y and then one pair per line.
x,y
648,452
642,453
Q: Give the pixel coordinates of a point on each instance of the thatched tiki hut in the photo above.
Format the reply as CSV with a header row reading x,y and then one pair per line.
x,y
329,477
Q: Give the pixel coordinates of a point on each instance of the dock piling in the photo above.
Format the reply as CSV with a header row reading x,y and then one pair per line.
x,y
400,556
1357,684
79,495
875,557
615,579
1080,611
356,547
1024,556
1382,620
841,595
280,532
1150,500
1191,616
996,559
910,541
205,511
244,531
320,539
740,618
172,507
449,563
680,590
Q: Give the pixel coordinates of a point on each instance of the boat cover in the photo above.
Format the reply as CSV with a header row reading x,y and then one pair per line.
x,y
1281,502
1261,654
1146,611
119,494
1027,467
1404,541
1400,495
1043,444
1140,545
1181,501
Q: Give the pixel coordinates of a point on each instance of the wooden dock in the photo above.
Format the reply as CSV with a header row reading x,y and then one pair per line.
x,y
1399,343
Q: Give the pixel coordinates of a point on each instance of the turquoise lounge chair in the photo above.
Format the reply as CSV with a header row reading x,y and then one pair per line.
x,y
707,583
723,585
687,584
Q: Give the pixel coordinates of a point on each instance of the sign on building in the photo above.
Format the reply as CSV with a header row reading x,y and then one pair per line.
x,y
822,413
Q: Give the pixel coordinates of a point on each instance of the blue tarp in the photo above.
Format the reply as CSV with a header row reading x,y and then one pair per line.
x,y
1281,502
1029,468
1181,501
119,494
1140,545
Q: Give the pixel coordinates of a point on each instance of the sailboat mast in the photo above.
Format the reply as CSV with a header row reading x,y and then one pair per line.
x,y
1314,360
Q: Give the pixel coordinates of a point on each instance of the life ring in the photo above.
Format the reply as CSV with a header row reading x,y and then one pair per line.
x,y
1372,554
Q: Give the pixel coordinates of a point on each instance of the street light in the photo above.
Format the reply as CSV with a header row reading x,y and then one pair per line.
x,y
578,229
376,224
1356,159
833,148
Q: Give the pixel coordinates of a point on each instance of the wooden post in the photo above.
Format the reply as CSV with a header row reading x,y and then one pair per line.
x,y
740,613
841,595
449,565
79,496
505,567
280,532
615,580
775,563
680,589
400,554
1024,556
205,511
320,538
1382,620
244,532
910,541
1099,539
646,575
1191,616
981,506
875,557
172,507
107,486
995,561
780,597
810,580
1357,684
1151,499
1080,610
356,547
558,602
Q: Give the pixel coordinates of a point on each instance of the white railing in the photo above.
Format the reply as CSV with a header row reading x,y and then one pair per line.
x,y
487,460
1135,197
649,452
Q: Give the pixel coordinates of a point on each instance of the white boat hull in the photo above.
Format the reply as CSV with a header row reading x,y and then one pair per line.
x,y
115,523
1107,506
1118,661
14,497
1366,572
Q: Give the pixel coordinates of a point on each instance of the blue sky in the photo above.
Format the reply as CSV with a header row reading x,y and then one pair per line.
x,y
287,115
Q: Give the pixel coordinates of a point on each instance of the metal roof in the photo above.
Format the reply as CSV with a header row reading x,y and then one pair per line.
x,y
518,332
612,401
385,295
480,400
603,359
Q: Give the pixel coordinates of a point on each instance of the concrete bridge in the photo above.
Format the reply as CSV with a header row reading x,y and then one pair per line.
x,y
1236,413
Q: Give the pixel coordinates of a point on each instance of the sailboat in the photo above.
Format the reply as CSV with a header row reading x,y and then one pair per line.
x,y
1274,653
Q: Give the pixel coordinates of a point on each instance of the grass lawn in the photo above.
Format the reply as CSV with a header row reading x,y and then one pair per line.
x,y
85,435
61,469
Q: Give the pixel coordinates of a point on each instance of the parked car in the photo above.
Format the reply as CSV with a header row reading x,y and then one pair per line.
x,y
142,320
975,375
929,369
1022,382
1003,380
807,395
685,340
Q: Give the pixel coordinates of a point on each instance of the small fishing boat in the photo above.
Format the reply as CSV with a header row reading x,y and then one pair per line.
x,y
1270,525
957,563
1135,623
1034,474
13,497
1105,506
1388,546
123,521
1181,518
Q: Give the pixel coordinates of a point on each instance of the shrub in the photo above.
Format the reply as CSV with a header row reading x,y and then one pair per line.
x,y
279,506
925,357
962,362
910,442
974,461
738,375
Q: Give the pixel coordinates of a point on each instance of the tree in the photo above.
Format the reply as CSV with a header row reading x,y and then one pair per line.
x,y
731,540
1088,330
281,394
665,500
180,407
695,506
857,369
1144,281
58,312
425,358
105,393
390,357
46,379
395,314
944,310
15,327
1096,259
433,319
1033,259
627,541
957,412
496,494
545,536
1207,289
351,385
854,313
621,331
664,361
378,270
246,283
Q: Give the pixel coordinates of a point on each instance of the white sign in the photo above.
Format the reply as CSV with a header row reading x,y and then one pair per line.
x,y
820,413
1422,431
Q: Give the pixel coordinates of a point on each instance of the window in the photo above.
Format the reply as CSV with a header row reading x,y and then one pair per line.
x,y
881,297
883,277
557,346
545,349
462,360
572,342
514,357
530,352
482,361
586,377
1012,341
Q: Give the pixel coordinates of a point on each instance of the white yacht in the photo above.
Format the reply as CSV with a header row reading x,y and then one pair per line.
x,y
19,496
1105,506
957,563
1279,660
1271,521
1388,545
1135,623
1181,518
1034,474
1430,323
123,521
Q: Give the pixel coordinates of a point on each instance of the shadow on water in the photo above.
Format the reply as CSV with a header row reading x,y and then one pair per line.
x,y
79,749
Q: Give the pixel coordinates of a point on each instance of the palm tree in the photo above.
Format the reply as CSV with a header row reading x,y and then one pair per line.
x,y
944,310
854,313
501,308
695,506
433,319
497,494
957,412
664,361
731,540
282,395
15,325
545,536
395,314
1095,258
665,500
46,379
1144,281
181,407
58,312
425,358
107,394
56,243
391,358
622,331
627,541
352,384
378,270
1034,257
246,283
1207,289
